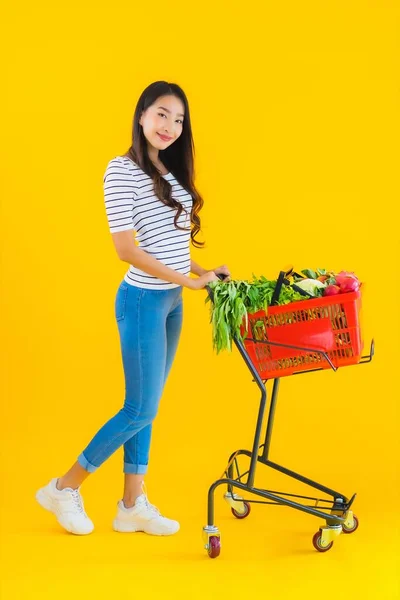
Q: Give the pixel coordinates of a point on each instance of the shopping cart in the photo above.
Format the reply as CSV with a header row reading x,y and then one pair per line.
x,y
295,338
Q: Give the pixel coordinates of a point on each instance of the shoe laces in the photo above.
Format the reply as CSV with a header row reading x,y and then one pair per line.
x,y
77,500
150,506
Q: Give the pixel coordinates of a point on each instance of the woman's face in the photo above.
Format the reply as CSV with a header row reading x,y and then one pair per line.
x,y
163,118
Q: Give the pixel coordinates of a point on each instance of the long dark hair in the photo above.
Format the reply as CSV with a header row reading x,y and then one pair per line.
x,y
178,158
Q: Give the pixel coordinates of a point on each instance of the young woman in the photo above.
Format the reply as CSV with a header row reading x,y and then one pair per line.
x,y
150,190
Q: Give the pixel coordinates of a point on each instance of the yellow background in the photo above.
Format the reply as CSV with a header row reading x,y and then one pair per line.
x,y
295,118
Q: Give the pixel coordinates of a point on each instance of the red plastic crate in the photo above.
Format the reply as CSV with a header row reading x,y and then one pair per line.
x,y
330,324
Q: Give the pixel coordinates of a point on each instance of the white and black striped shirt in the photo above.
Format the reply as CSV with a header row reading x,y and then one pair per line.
x,y
132,204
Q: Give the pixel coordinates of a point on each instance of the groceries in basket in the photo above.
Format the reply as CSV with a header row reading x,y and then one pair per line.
x,y
324,283
290,322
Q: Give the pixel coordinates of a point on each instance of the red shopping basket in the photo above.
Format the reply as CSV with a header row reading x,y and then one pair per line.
x,y
327,324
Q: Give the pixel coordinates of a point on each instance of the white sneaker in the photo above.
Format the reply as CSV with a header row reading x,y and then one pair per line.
x,y
67,505
143,517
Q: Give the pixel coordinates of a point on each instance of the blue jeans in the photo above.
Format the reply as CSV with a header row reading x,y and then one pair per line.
x,y
149,324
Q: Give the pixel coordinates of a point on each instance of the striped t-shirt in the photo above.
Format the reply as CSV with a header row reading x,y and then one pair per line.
x,y
132,204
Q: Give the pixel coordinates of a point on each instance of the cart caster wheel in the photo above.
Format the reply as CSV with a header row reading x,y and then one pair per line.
x,y
214,546
317,543
243,515
352,528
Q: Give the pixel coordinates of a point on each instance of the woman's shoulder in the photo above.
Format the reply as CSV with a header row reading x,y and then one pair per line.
x,y
123,161
122,165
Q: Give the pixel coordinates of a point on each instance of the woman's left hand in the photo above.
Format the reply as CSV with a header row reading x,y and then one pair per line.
x,y
222,269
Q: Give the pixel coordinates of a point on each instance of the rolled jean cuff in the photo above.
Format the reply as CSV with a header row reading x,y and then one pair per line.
x,y
135,469
86,464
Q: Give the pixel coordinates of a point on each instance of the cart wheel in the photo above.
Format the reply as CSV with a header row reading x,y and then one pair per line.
x,y
351,529
317,543
246,513
214,546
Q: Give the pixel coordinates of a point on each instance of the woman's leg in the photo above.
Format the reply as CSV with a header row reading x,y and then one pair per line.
x,y
136,449
73,478
141,315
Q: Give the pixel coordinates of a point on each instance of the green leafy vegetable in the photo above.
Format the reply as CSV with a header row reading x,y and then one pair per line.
x,y
310,274
234,300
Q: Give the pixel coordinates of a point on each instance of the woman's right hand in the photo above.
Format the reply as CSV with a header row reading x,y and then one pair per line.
x,y
200,282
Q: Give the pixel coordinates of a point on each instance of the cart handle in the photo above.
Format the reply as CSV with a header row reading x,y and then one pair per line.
x,y
283,280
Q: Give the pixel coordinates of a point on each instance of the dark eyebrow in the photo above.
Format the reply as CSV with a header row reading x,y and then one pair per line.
x,y
168,111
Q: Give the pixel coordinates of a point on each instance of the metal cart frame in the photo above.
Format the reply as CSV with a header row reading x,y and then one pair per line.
x,y
337,513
